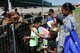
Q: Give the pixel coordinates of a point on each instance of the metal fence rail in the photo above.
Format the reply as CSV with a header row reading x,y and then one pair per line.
x,y
6,39
20,33
5,43
30,20
11,38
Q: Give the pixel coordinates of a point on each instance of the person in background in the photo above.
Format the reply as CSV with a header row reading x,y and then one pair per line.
x,y
5,12
16,10
28,16
40,16
52,24
53,41
51,19
32,13
67,11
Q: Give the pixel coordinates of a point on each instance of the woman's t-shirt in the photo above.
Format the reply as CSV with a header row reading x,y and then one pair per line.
x,y
63,31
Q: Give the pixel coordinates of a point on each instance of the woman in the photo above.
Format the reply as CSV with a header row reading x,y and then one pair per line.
x,y
67,11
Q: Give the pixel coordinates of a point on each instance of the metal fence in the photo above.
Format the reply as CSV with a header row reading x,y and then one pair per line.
x,y
11,38
21,31
7,43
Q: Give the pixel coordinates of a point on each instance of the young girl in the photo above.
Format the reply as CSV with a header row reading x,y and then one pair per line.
x,y
51,19
52,41
52,45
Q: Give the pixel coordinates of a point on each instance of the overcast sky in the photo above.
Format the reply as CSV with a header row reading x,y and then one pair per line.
x,y
60,2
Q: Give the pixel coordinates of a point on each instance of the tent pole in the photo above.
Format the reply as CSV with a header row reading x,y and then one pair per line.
x,y
42,7
9,6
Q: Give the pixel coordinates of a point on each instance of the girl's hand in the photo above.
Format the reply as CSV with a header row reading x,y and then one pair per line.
x,y
24,39
27,37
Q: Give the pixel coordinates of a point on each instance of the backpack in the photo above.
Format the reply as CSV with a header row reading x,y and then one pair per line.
x,y
72,42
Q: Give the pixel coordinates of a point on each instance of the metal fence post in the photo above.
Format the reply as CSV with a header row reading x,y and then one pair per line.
x,y
13,33
31,20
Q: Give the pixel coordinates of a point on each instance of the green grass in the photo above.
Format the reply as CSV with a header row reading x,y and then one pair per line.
x,y
77,16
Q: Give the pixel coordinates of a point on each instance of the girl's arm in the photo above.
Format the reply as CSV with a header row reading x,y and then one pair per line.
x,y
40,35
29,37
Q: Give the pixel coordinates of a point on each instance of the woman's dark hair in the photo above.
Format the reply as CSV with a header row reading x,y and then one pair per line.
x,y
68,6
